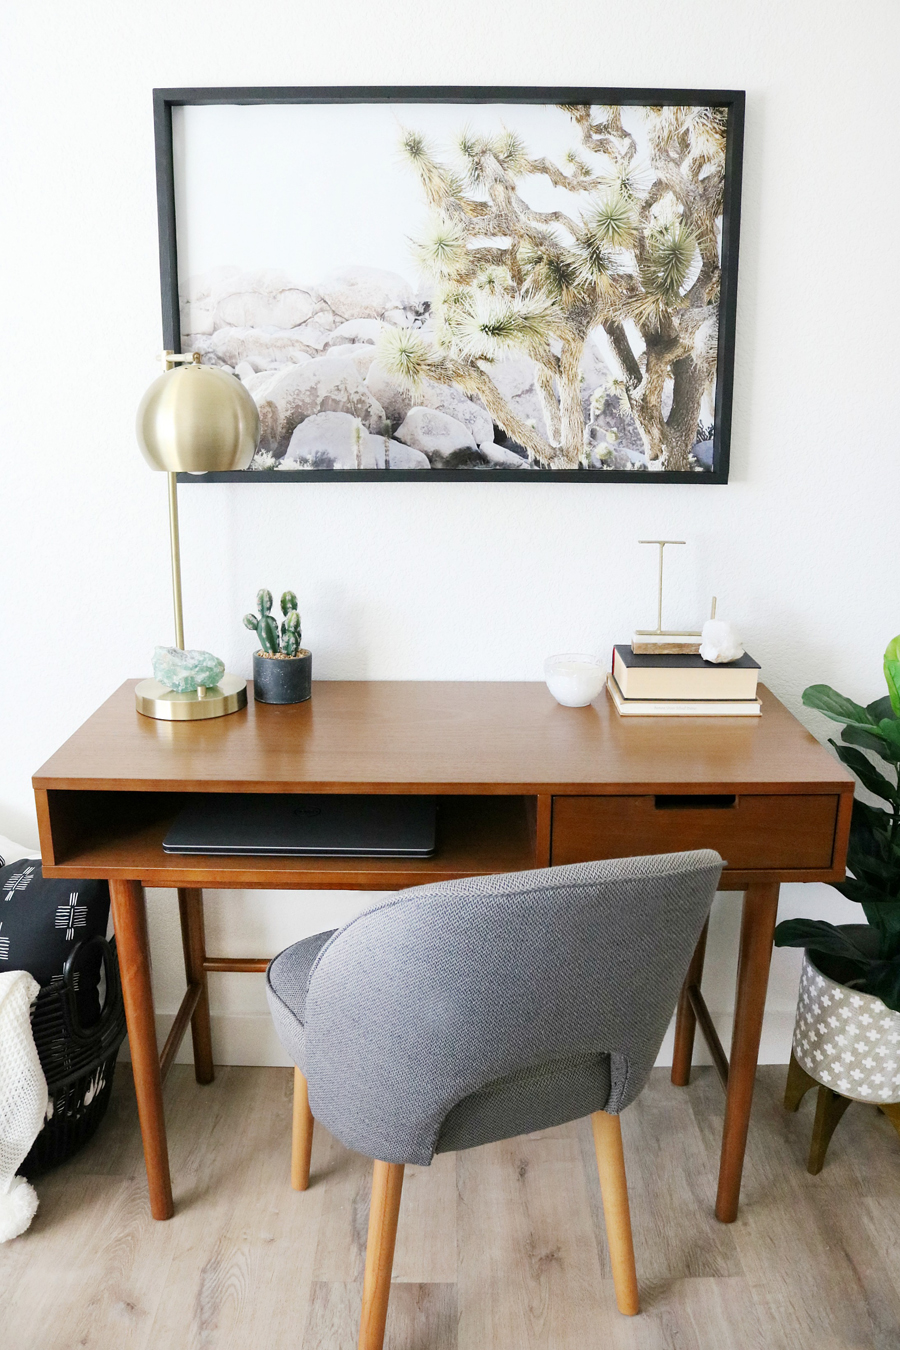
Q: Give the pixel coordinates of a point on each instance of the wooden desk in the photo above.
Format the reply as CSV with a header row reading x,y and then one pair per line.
x,y
524,783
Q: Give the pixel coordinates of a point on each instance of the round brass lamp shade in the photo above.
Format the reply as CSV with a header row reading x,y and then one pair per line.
x,y
197,419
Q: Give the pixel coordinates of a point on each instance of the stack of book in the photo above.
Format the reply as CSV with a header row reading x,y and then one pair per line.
x,y
682,686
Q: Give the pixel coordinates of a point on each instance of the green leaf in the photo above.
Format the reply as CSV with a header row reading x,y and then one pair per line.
x,y
612,222
870,829
866,772
669,257
860,892
883,914
867,741
880,709
819,936
874,870
892,673
834,705
890,730
883,980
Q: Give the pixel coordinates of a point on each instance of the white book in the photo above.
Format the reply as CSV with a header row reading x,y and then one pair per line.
x,y
670,707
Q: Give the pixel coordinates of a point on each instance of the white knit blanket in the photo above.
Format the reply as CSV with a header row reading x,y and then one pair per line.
x,y
23,1100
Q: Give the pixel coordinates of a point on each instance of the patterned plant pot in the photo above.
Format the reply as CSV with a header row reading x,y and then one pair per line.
x,y
847,1040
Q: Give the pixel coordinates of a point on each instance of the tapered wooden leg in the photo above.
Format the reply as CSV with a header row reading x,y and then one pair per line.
x,y
301,1134
614,1190
798,1084
193,941
757,927
686,1018
130,920
892,1111
387,1185
830,1106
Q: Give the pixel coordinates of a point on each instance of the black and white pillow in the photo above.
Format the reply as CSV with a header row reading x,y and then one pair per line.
x,y
42,920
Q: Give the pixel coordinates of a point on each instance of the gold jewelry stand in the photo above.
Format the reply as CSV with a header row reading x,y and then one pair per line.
x,y
659,640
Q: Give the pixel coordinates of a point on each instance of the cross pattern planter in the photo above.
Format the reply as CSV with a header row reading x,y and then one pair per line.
x,y
849,1044
847,1040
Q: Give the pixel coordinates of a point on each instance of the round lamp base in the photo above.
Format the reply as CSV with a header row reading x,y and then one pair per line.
x,y
154,700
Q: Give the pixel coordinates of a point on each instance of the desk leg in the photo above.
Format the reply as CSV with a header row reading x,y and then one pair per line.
x,y
130,920
193,941
686,1018
757,926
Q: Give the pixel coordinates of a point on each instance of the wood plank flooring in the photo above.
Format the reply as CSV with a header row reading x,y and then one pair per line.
x,y
499,1248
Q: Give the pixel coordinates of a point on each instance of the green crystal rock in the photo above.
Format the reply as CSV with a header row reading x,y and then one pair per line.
x,y
184,671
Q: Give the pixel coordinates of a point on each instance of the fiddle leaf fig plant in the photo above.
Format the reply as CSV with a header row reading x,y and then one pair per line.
x,y
265,626
873,855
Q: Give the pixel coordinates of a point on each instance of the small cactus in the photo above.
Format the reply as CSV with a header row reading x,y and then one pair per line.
x,y
290,633
266,626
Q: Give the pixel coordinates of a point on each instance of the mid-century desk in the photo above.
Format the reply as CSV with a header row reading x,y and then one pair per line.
x,y
523,783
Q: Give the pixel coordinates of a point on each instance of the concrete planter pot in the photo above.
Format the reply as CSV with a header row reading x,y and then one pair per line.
x,y
844,1039
282,679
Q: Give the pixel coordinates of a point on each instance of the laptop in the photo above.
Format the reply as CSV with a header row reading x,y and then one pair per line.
x,y
305,825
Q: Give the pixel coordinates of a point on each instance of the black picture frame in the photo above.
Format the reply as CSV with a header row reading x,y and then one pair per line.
x,y
164,100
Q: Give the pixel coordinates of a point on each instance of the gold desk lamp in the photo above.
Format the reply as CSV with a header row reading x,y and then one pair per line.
x,y
193,419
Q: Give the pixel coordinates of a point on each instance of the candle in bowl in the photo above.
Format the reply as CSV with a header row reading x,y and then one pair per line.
x,y
574,678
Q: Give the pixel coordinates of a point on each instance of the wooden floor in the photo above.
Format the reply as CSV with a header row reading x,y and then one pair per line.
x,y
500,1248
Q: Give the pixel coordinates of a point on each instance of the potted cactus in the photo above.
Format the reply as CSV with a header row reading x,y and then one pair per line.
x,y
282,669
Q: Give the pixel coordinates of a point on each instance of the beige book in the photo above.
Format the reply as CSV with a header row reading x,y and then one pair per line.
x,y
653,707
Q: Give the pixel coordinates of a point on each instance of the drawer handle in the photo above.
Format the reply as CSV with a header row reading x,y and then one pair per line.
x,y
710,801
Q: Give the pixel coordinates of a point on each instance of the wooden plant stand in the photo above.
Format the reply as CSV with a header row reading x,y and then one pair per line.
x,y
830,1106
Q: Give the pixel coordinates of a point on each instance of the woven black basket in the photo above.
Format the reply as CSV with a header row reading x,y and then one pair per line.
x,y
78,1061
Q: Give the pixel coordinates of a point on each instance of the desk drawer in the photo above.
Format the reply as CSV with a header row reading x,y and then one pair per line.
x,y
750,832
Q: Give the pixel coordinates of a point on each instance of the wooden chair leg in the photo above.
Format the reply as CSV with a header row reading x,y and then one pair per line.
x,y
829,1109
798,1084
301,1134
614,1190
387,1185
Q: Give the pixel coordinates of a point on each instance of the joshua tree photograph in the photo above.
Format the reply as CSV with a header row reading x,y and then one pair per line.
x,y
464,288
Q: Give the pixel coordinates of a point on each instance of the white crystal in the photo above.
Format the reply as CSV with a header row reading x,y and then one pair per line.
x,y
720,642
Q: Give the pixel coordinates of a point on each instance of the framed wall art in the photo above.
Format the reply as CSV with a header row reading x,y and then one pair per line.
x,y
461,283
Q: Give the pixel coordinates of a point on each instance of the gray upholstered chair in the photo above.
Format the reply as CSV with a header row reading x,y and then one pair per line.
x,y
463,1012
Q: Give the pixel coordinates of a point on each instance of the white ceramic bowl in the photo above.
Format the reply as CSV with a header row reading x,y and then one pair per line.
x,y
574,678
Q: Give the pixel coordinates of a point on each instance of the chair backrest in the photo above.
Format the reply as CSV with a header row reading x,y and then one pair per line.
x,y
431,995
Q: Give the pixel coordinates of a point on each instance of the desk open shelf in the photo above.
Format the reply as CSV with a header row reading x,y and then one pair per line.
x,y
119,836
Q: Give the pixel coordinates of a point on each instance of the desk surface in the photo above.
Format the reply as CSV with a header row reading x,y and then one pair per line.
x,y
444,737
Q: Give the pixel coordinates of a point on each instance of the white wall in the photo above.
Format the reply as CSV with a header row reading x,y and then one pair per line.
x,y
426,580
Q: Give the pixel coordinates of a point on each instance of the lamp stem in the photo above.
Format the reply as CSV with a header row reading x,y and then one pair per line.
x,y
175,546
